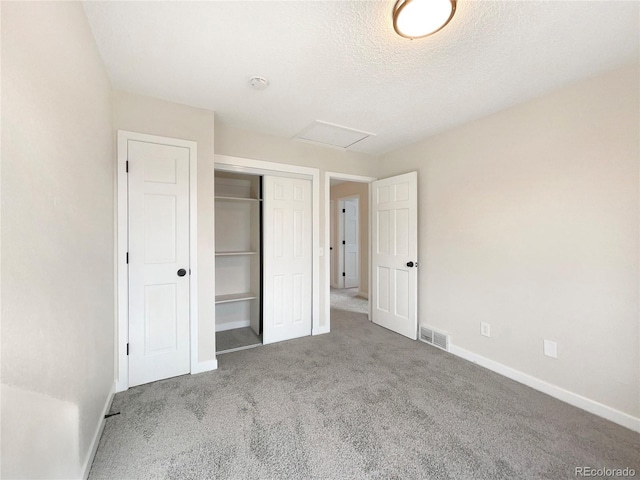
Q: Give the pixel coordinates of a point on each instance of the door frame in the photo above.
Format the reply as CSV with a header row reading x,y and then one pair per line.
x,y
260,167
328,176
340,217
122,242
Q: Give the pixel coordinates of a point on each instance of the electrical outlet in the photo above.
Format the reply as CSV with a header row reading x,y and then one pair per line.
x,y
485,329
551,348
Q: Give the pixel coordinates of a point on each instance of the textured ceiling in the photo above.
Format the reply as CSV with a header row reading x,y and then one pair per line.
x,y
341,62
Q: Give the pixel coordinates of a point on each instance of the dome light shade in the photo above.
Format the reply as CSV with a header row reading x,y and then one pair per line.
x,y
421,18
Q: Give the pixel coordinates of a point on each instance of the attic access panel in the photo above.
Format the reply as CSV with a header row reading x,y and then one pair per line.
x,y
332,135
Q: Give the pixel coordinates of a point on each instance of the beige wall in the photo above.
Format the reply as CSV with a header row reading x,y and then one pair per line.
x,y
243,143
528,220
57,240
361,190
141,114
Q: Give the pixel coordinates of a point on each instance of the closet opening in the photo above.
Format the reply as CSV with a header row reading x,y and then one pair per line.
x,y
239,260
266,253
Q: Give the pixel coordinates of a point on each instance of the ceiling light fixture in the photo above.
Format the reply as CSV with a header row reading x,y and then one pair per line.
x,y
421,18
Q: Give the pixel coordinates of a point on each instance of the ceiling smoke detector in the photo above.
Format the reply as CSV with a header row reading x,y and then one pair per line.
x,y
259,83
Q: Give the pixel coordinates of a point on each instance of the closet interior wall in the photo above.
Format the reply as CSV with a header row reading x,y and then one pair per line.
x,y
238,243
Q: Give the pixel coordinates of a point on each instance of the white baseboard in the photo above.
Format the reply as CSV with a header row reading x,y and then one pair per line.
x,y
363,295
232,325
566,396
320,331
88,461
202,367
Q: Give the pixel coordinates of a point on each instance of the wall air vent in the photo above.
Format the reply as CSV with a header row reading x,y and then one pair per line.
x,y
434,337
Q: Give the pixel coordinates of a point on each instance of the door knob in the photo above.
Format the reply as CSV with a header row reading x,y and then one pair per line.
x,y
410,264
182,272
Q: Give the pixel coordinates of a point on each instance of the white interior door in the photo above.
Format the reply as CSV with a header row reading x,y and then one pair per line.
x,y
395,253
350,246
333,268
287,264
158,188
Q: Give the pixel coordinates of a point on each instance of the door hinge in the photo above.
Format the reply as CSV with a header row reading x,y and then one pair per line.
x,y
344,274
127,257
344,210
189,271
127,166
344,242
127,349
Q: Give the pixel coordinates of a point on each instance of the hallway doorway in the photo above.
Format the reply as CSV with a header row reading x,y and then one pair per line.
x,y
348,240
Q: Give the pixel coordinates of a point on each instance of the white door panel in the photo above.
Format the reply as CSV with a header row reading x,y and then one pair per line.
x,y
351,253
394,246
333,257
287,258
158,247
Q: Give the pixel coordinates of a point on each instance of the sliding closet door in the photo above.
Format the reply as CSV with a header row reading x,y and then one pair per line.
x,y
287,258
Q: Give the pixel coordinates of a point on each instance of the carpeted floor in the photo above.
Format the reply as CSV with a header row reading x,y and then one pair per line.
x,y
347,299
236,338
359,402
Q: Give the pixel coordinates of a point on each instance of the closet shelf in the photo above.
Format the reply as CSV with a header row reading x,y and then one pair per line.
x,y
235,297
239,199
230,254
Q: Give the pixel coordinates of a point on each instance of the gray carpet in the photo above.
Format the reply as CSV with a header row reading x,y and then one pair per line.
x,y
236,338
347,299
359,402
